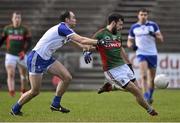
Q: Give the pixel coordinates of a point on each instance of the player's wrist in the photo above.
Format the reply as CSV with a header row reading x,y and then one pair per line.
x,y
152,33
102,42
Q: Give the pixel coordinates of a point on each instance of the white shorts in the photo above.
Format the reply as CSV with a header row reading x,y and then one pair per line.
x,y
120,75
14,60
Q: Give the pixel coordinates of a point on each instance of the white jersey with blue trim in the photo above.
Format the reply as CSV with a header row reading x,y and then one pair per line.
x,y
53,39
144,41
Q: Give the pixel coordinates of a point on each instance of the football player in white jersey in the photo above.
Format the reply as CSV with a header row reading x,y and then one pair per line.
x,y
142,37
40,59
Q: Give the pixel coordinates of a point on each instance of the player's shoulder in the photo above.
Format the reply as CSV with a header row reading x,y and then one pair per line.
x,y
151,23
98,32
24,26
62,23
135,25
8,26
63,26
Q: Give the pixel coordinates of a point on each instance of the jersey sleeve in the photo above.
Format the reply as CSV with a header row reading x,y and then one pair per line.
x,y
131,33
97,35
64,30
4,32
156,27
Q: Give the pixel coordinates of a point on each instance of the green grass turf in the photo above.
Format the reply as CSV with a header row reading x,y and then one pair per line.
x,y
90,107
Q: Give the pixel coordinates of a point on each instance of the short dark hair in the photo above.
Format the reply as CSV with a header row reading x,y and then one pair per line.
x,y
143,10
64,14
115,17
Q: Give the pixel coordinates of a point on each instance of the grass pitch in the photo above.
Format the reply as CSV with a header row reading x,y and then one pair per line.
x,y
90,107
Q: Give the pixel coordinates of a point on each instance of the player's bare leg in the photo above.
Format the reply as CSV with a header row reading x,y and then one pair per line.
x,y
131,87
136,83
59,70
23,78
107,87
35,81
10,79
143,74
151,75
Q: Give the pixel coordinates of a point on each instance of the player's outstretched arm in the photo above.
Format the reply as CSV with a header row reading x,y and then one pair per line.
x,y
83,40
131,44
85,47
88,41
80,45
125,56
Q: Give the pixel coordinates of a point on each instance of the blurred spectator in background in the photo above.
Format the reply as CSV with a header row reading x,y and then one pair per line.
x,y
18,39
142,38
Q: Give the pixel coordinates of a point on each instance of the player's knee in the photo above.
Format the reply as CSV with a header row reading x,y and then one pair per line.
x,y
11,76
23,78
35,92
68,78
143,77
133,89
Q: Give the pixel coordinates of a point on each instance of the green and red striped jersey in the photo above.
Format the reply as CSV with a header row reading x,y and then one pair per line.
x,y
15,38
110,54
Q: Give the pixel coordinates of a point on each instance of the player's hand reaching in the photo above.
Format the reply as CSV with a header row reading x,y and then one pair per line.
x,y
21,55
102,42
87,56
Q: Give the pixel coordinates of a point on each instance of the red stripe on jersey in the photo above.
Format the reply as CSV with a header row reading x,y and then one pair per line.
x,y
103,57
8,43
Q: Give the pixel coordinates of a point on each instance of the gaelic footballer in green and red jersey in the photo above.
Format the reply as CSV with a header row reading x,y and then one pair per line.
x,y
110,53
